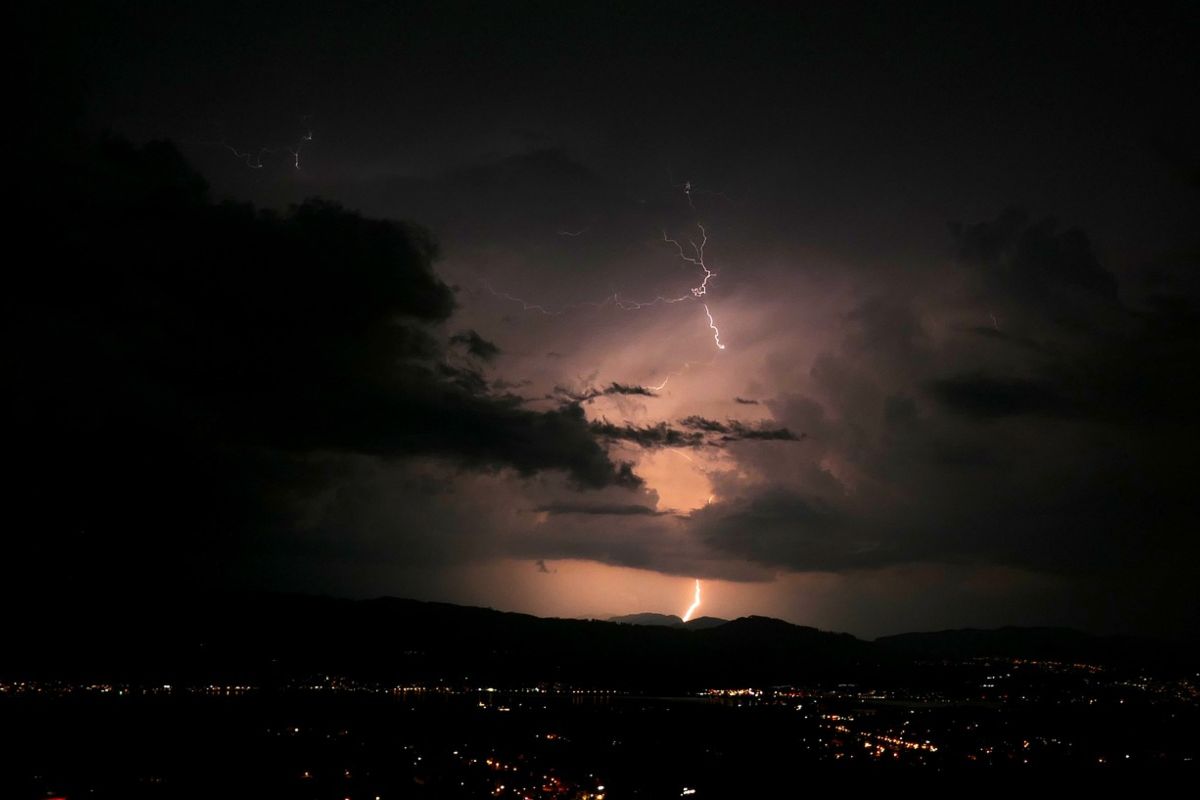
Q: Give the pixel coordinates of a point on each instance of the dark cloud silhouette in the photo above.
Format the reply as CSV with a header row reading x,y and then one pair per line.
x,y
702,424
782,527
745,401
207,356
602,509
734,430
591,394
984,397
649,436
1035,268
1033,257
696,432
476,345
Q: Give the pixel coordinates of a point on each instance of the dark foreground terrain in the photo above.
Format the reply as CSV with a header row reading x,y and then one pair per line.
x,y
309,698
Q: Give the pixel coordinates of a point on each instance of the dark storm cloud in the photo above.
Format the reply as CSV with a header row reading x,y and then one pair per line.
x,y
984,397
693,431
476,345
598,509
702,424
1031,406
1077,350
783,527
648,436
735,431
203,355
745,401
1032,258
589,395
1037,268
1059,443
501,199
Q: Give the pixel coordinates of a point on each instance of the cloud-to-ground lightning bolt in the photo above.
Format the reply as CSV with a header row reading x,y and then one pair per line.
x,y
715,330
695,603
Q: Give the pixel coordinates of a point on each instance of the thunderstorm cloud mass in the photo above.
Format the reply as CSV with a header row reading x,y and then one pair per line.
x,y
863,331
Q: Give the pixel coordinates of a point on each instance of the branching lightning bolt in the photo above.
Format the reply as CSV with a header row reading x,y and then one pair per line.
x,y
715,330
254,158
693,254
612,299
695,603
696,258
251,160
295,152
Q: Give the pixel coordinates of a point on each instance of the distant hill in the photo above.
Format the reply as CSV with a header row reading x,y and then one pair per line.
x,y
273,639
1057,644
669,621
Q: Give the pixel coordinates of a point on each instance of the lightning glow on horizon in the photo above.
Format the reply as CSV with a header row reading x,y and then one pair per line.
x,y
695,603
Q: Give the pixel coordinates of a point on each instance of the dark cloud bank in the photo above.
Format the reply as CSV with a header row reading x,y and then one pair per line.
x,y
1060,441
189,374
180,367
182,374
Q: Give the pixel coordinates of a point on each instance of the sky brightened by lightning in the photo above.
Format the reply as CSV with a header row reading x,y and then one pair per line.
x,y
695,257
863,387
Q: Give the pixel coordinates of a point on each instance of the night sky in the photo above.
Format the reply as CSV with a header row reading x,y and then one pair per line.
x,y
402,298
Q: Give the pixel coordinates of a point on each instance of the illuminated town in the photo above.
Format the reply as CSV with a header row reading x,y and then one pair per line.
x,y
336,737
